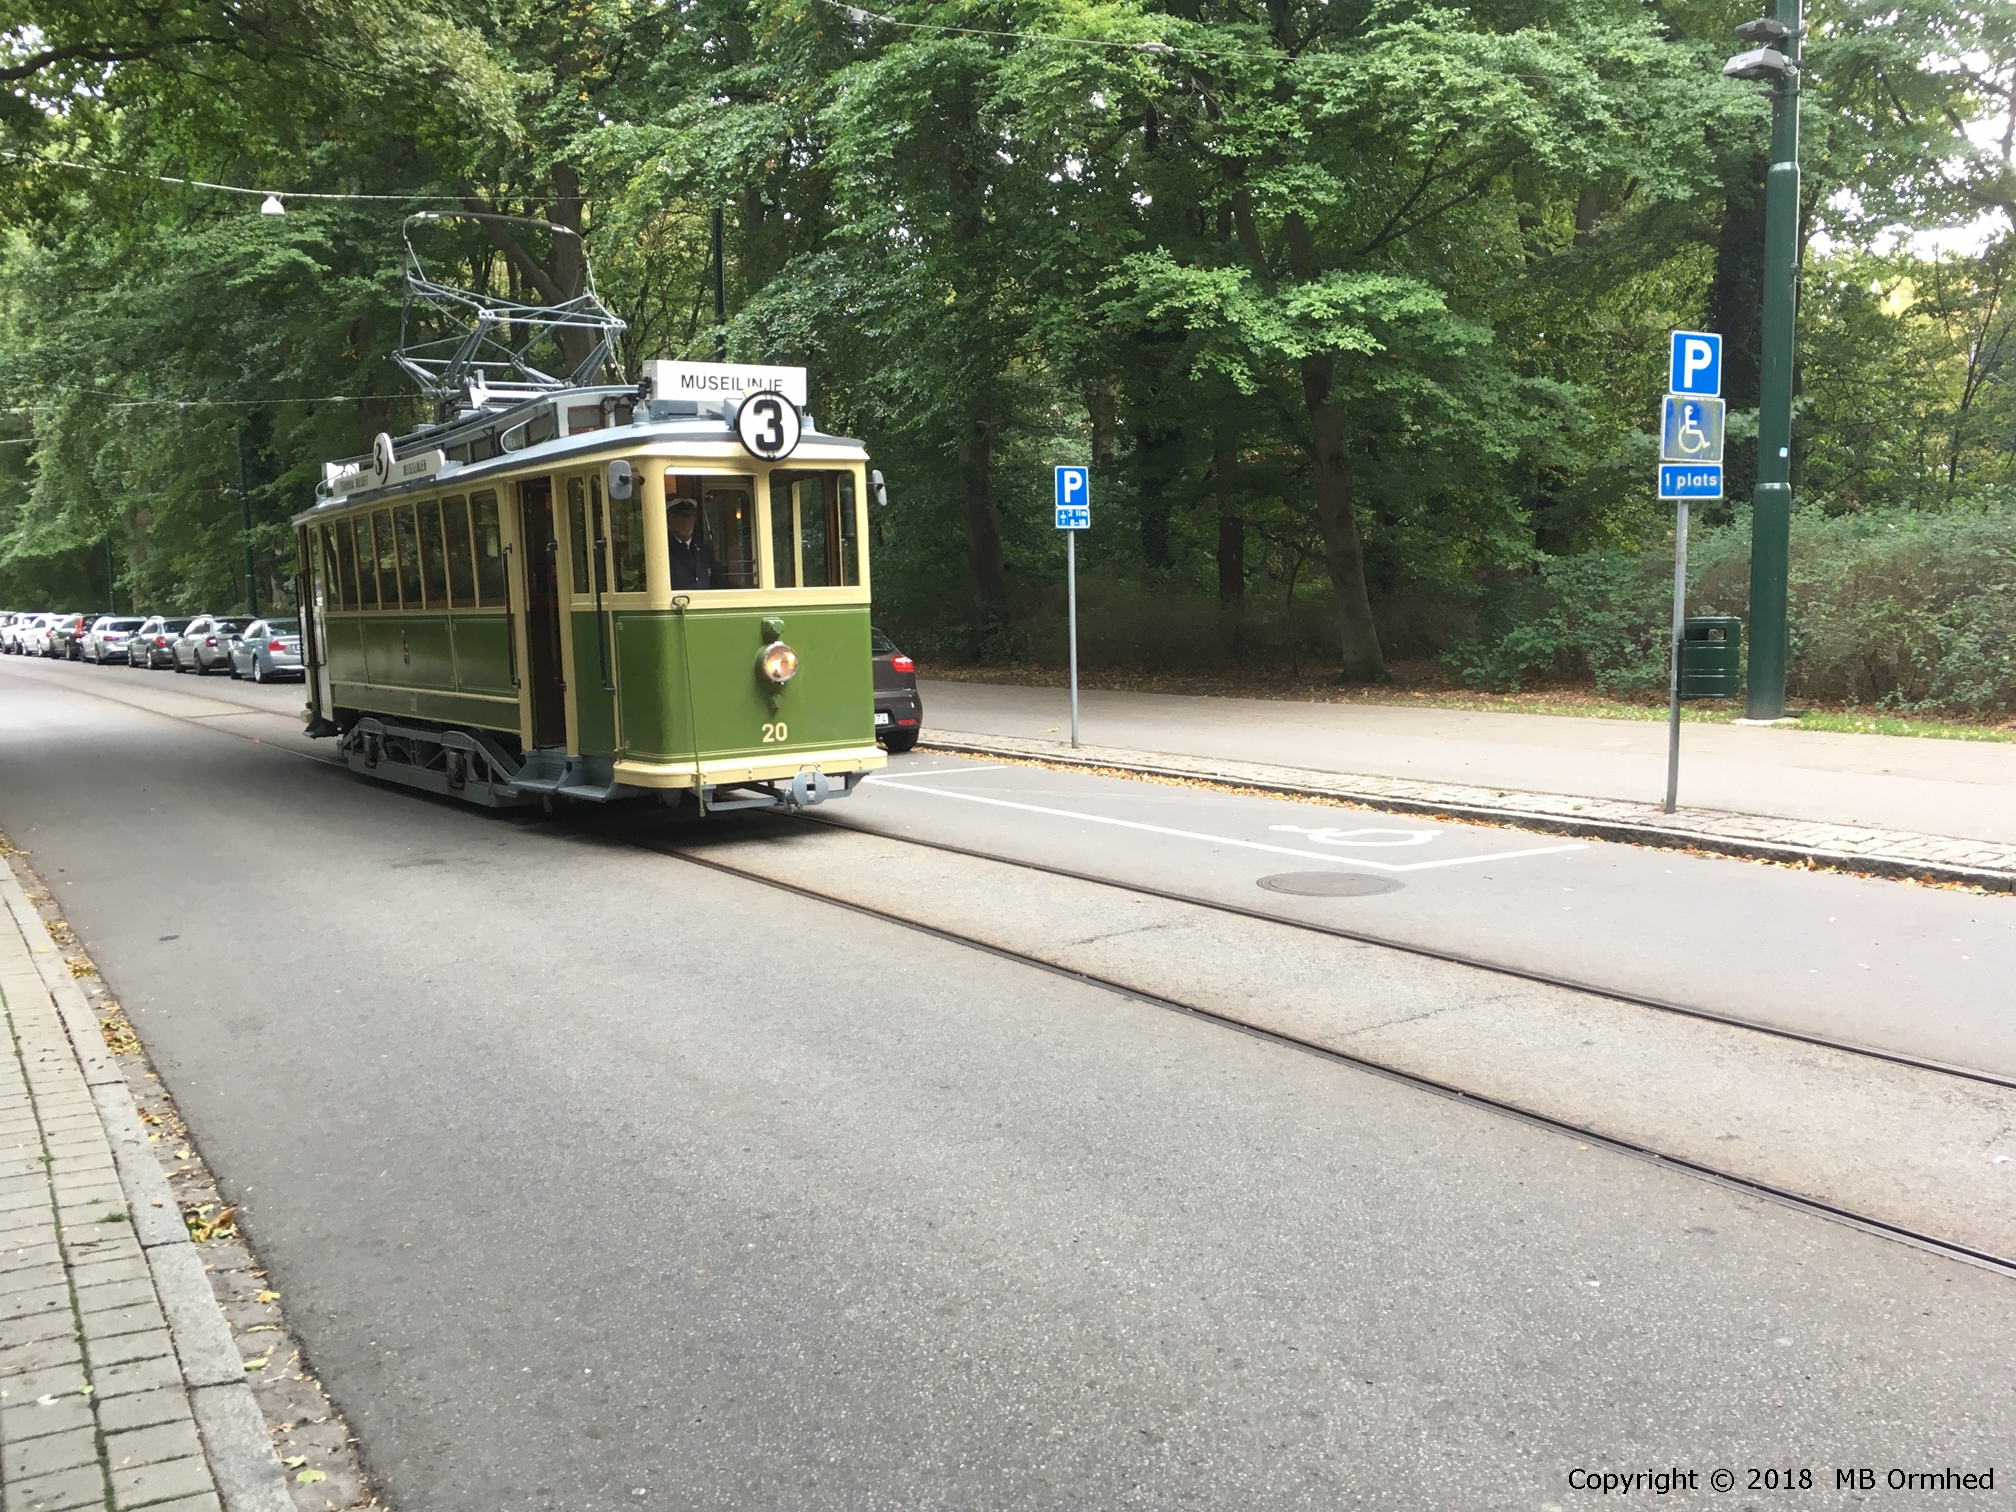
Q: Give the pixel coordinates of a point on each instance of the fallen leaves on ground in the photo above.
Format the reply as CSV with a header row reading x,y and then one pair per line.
x,y
80,966
202,1227
121,1040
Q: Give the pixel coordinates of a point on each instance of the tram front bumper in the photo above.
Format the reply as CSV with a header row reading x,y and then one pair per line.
x,y
730,771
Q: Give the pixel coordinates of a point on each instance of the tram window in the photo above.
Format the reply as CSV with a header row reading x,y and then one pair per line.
x,y
540,427
461,567
583,417
409,557
345,563
813,535
583,527
727,523
846,538
626,542
813,530
728,510
489,551
783,534
483,446
433,558
388,559
367,574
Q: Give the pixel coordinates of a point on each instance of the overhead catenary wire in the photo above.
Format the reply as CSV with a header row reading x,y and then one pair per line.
x,y
20,409
195,183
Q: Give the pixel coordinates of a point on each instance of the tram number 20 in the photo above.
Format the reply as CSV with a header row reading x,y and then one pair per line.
x,y
772,733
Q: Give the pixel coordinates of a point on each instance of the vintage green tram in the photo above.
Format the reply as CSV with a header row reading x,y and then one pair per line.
x,y
591,591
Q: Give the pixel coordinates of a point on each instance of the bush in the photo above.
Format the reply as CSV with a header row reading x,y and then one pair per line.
x,y
1891,608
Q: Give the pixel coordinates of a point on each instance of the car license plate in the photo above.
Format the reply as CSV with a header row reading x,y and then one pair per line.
x,y
881,718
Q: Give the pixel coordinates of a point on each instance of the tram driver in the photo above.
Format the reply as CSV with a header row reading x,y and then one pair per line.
x,y
692,557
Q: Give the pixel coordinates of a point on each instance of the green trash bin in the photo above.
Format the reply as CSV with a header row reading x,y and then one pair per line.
x,y
1711,656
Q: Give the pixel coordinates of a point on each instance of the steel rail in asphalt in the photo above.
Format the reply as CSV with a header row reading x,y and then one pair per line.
x,y
1441,953
1950,1249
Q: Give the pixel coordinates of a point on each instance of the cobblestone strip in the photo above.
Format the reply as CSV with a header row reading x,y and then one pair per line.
x,y
1873,852
114,1340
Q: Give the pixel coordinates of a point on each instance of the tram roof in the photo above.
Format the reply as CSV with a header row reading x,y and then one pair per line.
x,y
424,453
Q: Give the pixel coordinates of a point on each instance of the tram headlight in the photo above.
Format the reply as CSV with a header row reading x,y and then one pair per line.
x,y
778,663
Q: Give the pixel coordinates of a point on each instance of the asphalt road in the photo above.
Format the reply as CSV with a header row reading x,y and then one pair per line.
x,y
593,1179
1922,971
1936,787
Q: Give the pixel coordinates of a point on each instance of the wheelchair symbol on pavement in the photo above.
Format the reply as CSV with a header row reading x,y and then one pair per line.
x,y
1692,431
1358,836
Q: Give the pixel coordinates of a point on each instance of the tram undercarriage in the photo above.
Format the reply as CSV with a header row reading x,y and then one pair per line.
x,y
473,765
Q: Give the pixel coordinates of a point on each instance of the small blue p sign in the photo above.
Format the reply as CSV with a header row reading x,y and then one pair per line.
x,y
1074,498
1695,365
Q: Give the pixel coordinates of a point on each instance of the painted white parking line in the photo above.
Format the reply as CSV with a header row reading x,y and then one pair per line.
x,y
1278,850
958,771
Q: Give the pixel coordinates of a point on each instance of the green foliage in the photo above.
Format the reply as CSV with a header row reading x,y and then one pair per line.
x,y
1351,306
1892,608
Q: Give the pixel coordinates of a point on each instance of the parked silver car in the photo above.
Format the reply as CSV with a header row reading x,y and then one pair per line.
x,y
269,649
153,644
106,640
204,646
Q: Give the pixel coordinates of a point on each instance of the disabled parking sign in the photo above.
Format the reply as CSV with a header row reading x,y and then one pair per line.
x,y
1691,429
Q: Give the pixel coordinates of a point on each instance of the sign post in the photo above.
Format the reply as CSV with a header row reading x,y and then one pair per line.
x,y
1074,513
1690,467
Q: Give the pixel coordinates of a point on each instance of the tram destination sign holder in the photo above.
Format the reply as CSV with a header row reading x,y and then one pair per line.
x,y
1691,424
1074,513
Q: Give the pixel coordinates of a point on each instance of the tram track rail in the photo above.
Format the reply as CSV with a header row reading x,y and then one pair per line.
x,y
2003,1265
1442,954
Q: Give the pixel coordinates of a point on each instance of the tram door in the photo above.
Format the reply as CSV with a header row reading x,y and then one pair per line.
x,y
542,613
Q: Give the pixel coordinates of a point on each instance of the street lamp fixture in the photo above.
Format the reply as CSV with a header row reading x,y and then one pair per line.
x,y
1760,63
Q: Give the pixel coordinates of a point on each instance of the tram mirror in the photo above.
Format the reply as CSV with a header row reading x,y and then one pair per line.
x,y
619,479
878,490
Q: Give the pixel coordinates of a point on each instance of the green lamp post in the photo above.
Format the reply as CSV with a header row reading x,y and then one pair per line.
x,y
1774,57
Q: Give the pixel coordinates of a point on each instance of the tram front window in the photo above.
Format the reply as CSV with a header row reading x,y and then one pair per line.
x,y
813,530
710,530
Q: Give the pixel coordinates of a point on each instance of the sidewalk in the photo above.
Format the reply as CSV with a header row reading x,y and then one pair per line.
x,y
1884,805
120,1383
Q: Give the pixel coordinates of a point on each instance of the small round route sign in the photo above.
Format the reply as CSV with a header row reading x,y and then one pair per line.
x,y
768,425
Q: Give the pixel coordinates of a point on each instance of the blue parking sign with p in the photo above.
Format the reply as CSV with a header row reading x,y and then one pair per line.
x,y
1696,363
1074,498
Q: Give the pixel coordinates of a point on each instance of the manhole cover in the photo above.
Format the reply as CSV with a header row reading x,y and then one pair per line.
x,y
1330,884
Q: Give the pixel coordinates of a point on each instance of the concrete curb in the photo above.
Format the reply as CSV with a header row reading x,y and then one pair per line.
x,y
240,1455
1881,853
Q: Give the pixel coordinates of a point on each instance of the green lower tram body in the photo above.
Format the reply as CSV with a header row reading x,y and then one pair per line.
x,y
651,699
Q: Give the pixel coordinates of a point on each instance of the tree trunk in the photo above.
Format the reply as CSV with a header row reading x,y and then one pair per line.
x,y
1231,524
1337,518
568,262
984,557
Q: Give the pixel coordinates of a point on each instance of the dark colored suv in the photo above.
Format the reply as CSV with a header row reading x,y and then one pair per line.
x,y
899,712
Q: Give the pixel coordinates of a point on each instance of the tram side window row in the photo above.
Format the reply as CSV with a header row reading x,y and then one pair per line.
x,y
437,554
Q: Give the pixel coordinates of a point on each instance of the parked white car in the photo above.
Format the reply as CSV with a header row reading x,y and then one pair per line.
x,y
31,635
